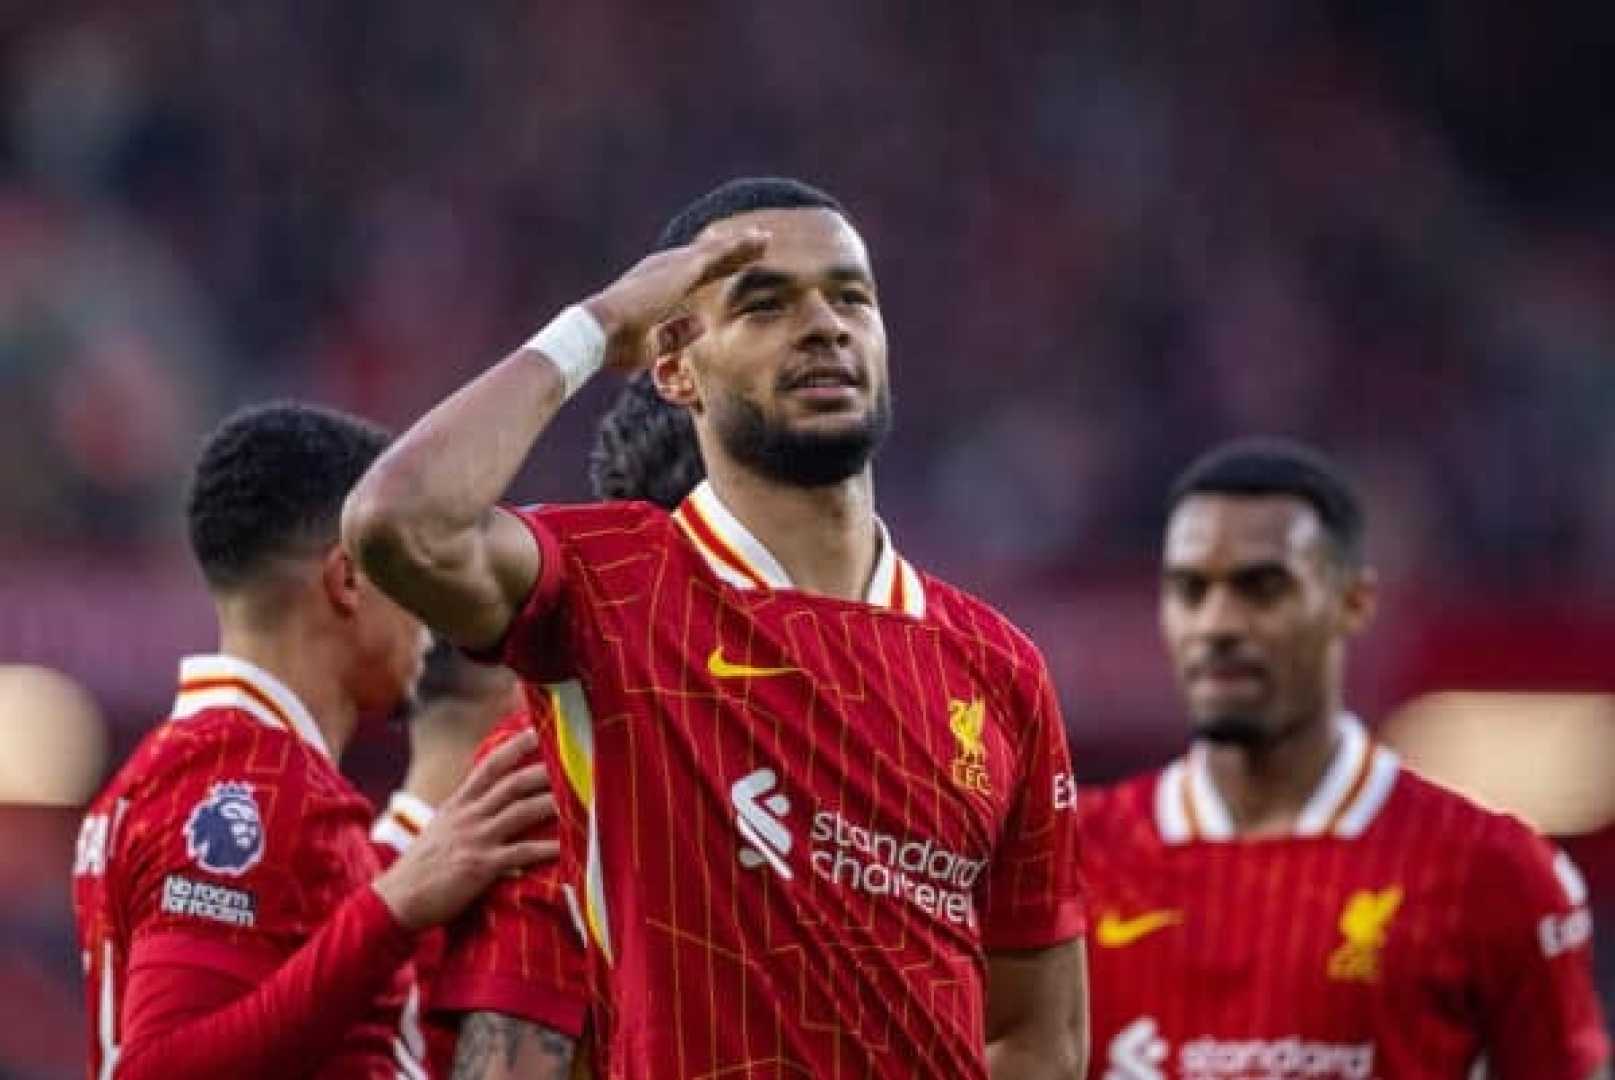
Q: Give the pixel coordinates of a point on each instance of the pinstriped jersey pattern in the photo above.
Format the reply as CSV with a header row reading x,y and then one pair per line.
x,y
795,877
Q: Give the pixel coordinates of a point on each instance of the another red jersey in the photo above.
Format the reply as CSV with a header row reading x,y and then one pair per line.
x,y
1400,934
397,827
216,853
806,820
519,949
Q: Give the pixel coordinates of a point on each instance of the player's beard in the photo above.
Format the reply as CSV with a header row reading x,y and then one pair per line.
x,y
1233,729
799,458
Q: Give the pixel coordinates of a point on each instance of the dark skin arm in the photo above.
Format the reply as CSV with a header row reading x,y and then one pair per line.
x,y
1037,1013
423,521
494,1046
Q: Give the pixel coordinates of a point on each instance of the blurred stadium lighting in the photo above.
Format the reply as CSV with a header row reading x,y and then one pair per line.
x,y
53,739
1548,757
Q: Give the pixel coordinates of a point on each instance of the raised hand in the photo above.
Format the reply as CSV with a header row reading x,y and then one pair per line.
x,y
651,292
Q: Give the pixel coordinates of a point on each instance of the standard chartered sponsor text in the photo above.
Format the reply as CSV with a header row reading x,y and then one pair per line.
x,y
932,878
1291,1058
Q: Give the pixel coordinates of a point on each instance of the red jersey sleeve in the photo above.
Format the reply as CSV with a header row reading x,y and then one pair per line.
x,y
533,645
518,951
250,949
221,849
186,1015
1033,893
1540,1015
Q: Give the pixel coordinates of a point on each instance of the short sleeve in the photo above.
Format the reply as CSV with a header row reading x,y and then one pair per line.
x,y
231,866
533,645
1033,894
518,950
1540,1015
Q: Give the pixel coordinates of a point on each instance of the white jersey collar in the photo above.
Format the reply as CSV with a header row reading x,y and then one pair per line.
x,y
1354,787
217,681
738,558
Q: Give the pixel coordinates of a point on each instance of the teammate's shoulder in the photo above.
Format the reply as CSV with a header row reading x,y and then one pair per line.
x,y
1460,816
206,740
1121,802
510,725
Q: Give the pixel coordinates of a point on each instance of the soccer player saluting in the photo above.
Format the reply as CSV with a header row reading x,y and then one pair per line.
x,y
828,797
223,884
1288,900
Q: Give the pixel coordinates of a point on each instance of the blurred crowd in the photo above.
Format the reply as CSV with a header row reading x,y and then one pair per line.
x,y
1105,237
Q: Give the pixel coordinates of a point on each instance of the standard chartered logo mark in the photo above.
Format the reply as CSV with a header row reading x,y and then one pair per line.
x,y
1137,1052
760,821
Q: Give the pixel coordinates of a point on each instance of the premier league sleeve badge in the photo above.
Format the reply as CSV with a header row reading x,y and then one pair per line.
x,y
225,831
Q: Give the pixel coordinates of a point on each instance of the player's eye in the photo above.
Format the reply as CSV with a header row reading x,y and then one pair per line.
x,y
1263,586
1186,590
854,296
762,305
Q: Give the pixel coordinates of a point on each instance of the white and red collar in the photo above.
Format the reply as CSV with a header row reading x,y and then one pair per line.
x,y
229,682
403,820
738,558
1354,787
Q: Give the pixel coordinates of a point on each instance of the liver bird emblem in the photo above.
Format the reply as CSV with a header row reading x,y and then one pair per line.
x,y
967,719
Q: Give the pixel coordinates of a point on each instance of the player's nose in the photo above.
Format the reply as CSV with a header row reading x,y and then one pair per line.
x,y
1221,614
821,325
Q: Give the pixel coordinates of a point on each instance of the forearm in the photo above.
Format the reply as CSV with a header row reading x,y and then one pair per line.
x,y
294,1018
493,1046
1063,1057
1037,1013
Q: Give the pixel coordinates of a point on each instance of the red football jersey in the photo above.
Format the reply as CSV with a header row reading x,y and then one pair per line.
x,y
397,827
806,820
223,843
519,949
1401,933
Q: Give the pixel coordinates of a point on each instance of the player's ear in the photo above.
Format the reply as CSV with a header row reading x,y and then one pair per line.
x,y
339,577
1359,599
671,370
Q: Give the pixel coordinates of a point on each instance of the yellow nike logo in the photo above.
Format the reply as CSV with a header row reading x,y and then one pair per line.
x,y
1116,932
723,669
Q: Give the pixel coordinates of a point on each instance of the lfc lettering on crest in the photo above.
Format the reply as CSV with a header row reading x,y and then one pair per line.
x,y
967,720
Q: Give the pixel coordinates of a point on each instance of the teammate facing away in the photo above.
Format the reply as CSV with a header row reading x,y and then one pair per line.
x,y
228,902
1288,900
827,797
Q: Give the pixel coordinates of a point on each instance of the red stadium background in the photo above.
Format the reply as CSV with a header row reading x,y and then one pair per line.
x,y
1106,239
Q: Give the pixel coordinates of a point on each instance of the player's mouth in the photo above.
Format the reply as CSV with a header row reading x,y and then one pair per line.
x,y
824,383
1223,675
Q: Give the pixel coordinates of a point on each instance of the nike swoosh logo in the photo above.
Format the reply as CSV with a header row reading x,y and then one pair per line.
x,y
723,669
1116,932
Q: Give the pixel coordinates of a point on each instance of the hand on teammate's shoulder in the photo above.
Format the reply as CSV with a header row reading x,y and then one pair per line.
x,y
479,834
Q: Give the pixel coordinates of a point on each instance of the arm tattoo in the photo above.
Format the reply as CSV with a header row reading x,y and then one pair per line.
x,y
493,1046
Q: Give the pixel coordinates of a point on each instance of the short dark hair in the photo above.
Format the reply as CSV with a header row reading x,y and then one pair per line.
x,y
743,196
1272,466
270,482
645,448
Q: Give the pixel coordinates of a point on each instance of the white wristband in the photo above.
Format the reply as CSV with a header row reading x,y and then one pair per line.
x,y
574,342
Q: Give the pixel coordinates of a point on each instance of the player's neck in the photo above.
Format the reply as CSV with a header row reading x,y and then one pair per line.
x,y
439,753
1266,788
302,662
824,538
